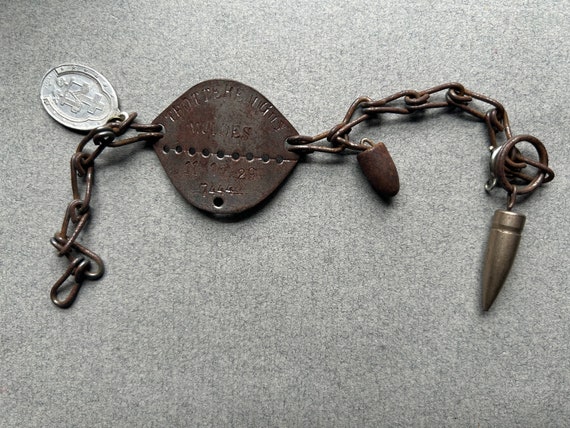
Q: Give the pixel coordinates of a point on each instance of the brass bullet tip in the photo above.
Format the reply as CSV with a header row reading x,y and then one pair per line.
x,y
504,238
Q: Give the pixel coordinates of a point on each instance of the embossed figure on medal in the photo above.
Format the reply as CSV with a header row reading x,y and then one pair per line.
x,y
226,148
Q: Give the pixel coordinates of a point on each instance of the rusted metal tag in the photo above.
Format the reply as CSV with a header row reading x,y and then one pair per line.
x,y
224,146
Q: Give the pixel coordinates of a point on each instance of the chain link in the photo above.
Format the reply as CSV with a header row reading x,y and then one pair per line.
x,y
509,162
84,263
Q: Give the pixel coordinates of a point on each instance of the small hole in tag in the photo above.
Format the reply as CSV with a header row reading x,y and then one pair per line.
x,y
220,154
192,151
249,156
178,149
165,149
279,159
218,202
235,155
265,158
205,153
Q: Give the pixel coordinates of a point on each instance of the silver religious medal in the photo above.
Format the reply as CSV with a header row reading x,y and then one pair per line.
x,y
78,97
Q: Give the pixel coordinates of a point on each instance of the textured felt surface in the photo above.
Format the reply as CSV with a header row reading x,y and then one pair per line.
x,y
329,306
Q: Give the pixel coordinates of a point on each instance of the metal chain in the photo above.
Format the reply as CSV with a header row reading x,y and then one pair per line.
x,y
507,164
84,263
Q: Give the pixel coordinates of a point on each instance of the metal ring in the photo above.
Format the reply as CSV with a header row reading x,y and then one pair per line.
x,y
501,161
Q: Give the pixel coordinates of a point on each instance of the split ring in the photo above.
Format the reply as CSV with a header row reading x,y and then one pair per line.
x,y
501,159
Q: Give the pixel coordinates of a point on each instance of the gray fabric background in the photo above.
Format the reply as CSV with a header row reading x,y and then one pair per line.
x,y
329,306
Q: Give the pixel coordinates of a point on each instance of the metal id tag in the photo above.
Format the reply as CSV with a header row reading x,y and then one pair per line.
x,y
224,146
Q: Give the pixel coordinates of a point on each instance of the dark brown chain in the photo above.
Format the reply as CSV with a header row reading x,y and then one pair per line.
x,y
508,163
84,263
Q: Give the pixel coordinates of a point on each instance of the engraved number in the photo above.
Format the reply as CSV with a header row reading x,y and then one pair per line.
x,y
247,174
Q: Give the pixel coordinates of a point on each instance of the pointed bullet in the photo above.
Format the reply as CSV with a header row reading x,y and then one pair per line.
x,y
502,246
379,169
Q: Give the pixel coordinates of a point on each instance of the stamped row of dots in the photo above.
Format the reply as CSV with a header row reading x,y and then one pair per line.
x,y
220,154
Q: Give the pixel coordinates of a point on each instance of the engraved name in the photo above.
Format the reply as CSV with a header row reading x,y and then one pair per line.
x,y
256,102
238,132
203,96
266,109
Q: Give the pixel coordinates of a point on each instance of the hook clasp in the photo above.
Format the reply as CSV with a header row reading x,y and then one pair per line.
x,y
492,181
79,267
76,269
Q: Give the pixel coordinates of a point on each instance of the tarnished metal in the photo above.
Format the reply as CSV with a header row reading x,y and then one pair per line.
x,y
224,146
507,164
78,97
504,238
379,169
84,263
